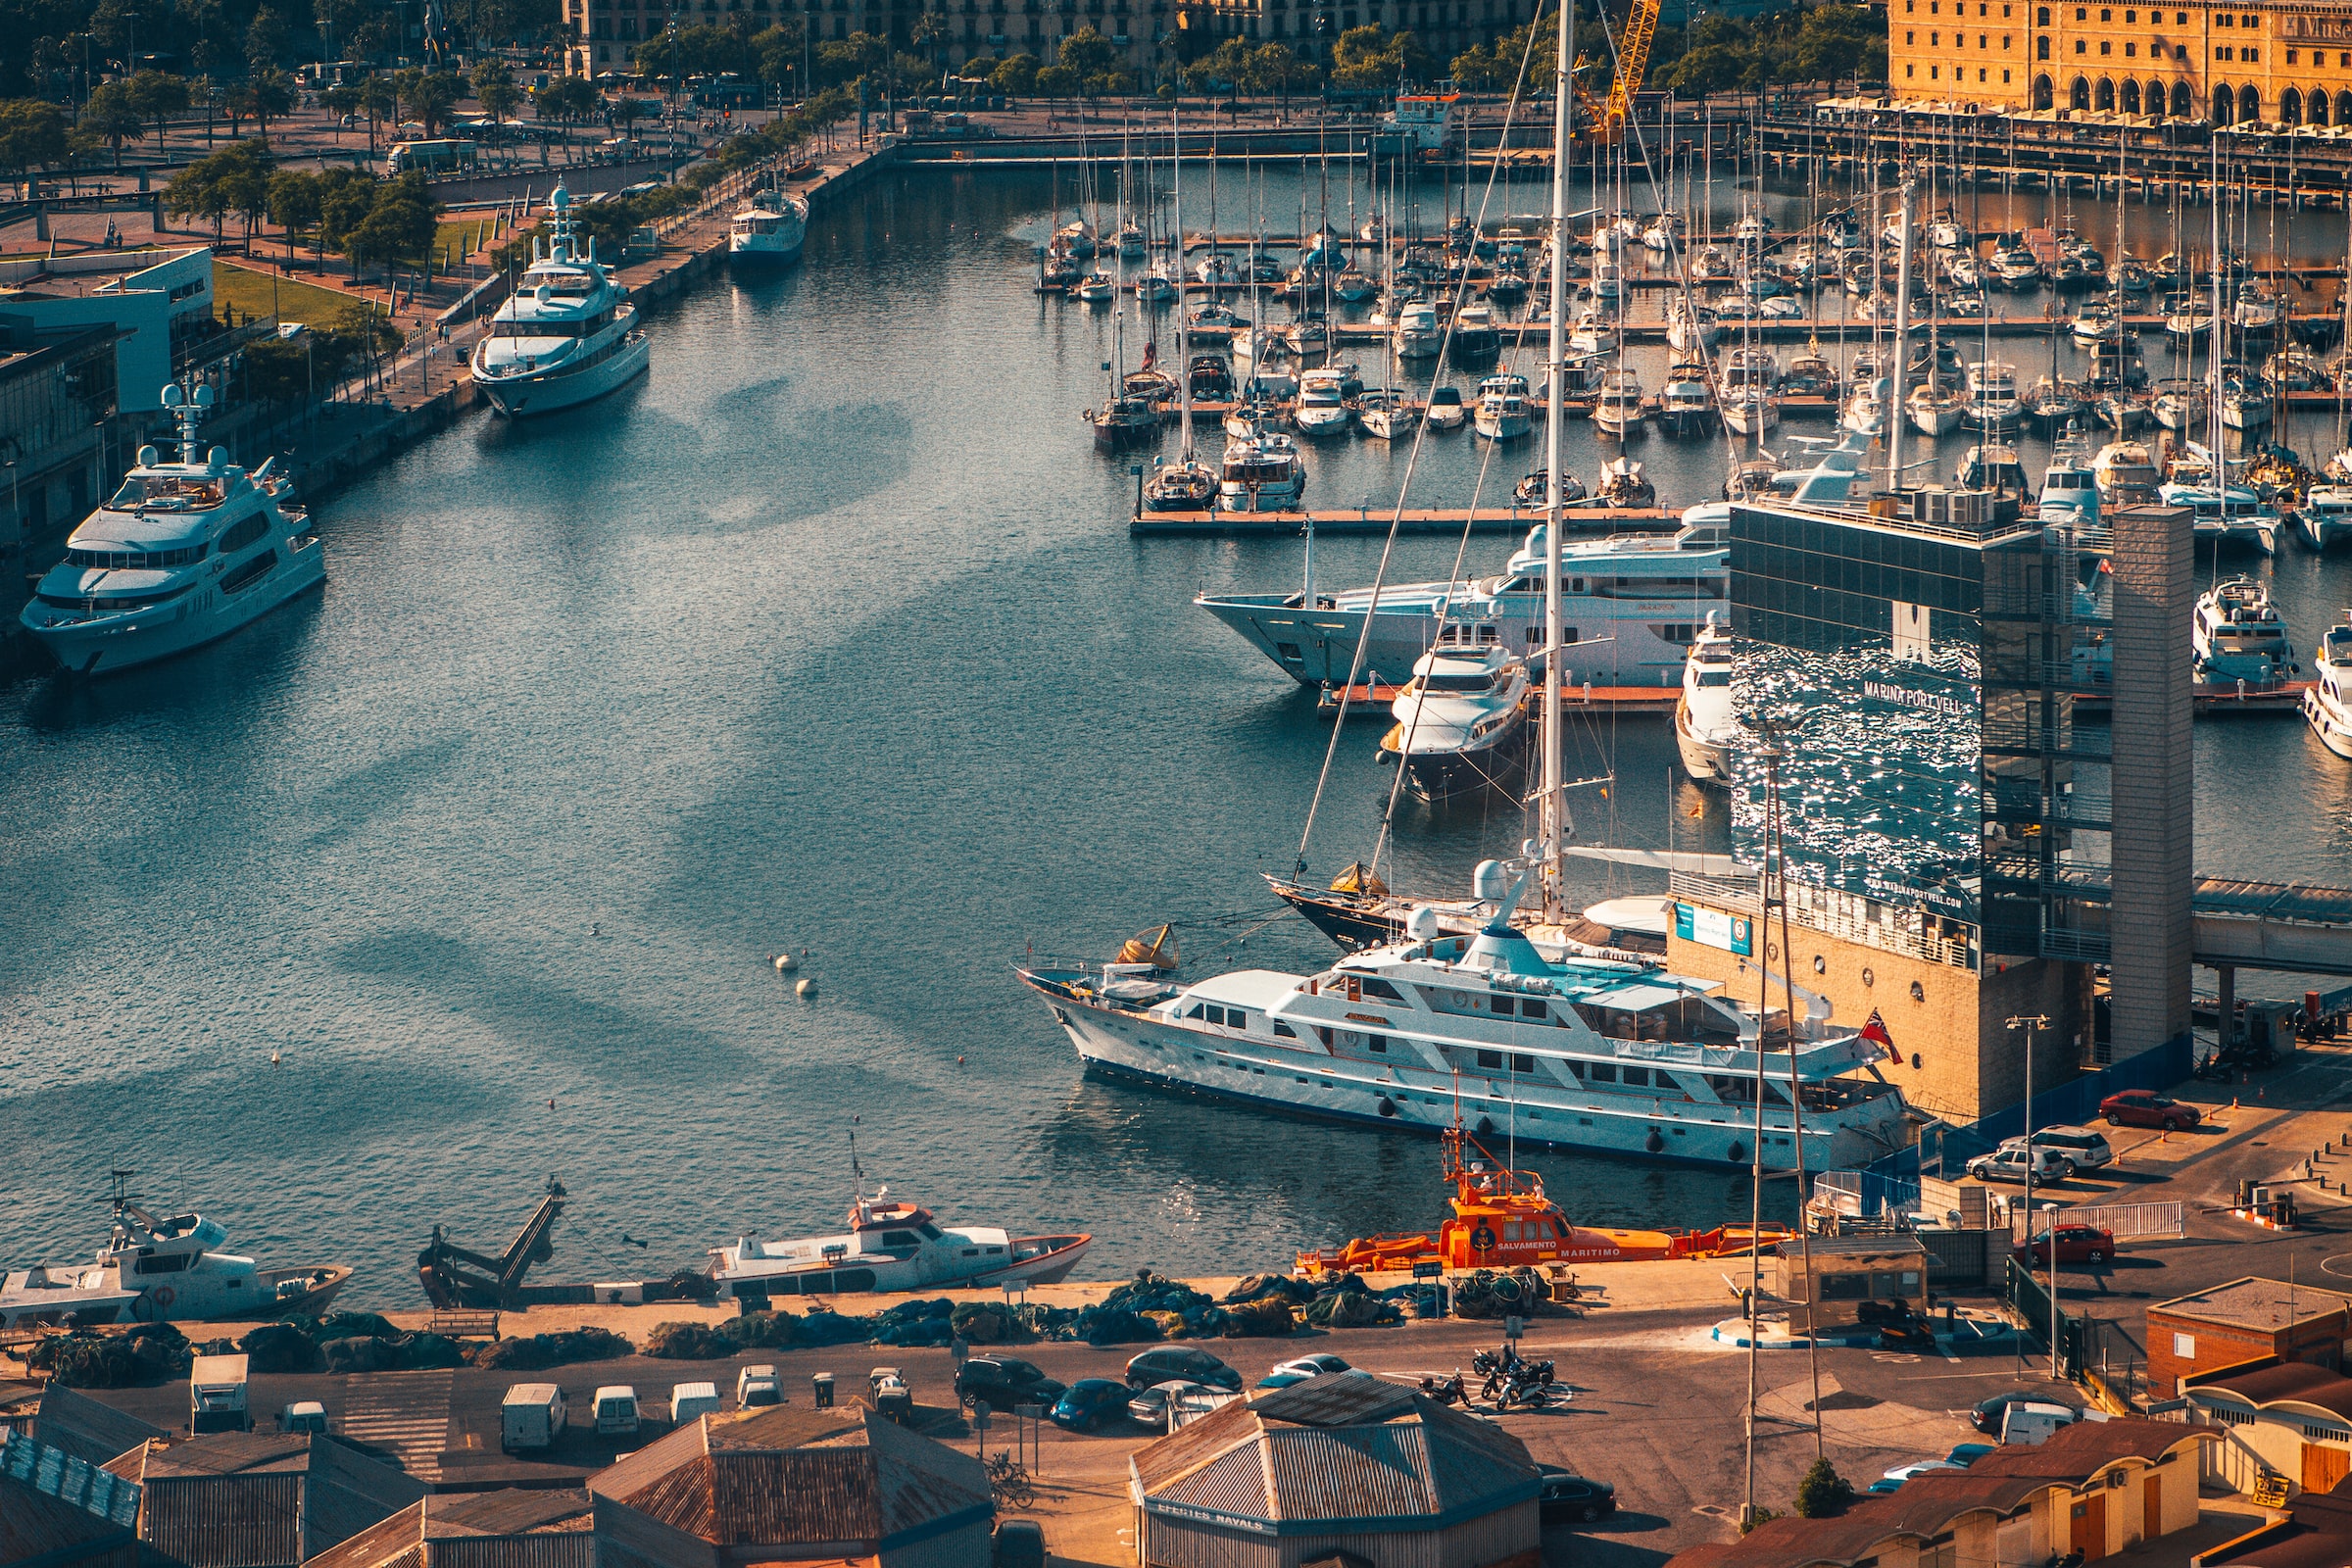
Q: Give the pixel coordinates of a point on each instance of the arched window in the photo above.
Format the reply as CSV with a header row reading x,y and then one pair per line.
x,y
2343,108
2080,94
2128,99
2184,102
2041,17
2041,48
2044,93
2224,107
2103,96
2315,108
2156,99
2290,108
2249,104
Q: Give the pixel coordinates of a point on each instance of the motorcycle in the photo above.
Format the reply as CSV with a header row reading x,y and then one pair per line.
x,y
1449,1390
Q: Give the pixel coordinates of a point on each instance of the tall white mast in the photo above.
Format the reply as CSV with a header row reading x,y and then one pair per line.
x,y
1184,322
1553,818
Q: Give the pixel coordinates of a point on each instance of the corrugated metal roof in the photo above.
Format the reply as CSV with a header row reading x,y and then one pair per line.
x,y
349,1491
1234,1482
88,1429
1335,1399
561,1550
785,1426
382,1543
776,1499
627,1476
54,1473
919,1480
1195,1443
511,1512
228,1453
245,1521
1357,1473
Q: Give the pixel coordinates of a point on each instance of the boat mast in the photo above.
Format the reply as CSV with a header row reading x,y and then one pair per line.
x,y
1553,831
1902,336
1183,321
2219,464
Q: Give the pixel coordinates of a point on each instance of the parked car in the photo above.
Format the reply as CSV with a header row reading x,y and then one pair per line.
x,y
1004,1381
1569,1495
1904,1472
1965,1454
2144,1107
2076,1243
1019,1544
1181,1361
1149,1406
1314,1365
756,1386
2086,1147
2009,1164
303,1415
615,1411
1089,1403
1989,1413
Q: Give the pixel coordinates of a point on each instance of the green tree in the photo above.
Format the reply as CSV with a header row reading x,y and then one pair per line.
x,y
845,60
265,40
345,196
399,226
779,50
296,202
112,117
1016,78
265,95
31,133
1367,60
929,36
500,99
1055,82
1823,1492
1088,53
1274,68
429,95
1713,68
570,100
157,95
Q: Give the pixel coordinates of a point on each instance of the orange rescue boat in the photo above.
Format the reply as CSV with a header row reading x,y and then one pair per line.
x,y
1501,1220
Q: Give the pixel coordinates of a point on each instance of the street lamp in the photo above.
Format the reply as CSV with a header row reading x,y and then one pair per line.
x,y
2032,1024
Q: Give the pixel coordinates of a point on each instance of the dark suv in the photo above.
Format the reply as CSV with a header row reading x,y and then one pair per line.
x,y
1178,1361
1003,1382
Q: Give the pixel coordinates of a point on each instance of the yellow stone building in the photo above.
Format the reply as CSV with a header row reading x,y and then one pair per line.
x,y
2278,63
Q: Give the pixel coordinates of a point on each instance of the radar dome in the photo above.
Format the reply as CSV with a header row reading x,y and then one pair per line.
x,y
1491,881
1423,925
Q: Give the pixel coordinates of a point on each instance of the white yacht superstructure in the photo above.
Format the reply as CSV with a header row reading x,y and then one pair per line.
x,y
769,227
889,1246
1706,723
2327,700
566,335
181,554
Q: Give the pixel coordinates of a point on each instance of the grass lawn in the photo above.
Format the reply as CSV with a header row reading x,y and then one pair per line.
x,y
251,293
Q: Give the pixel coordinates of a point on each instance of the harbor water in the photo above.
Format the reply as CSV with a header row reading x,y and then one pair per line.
x,y
828,636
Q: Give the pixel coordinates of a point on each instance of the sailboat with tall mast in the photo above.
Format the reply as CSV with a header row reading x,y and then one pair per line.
x,y
1184,485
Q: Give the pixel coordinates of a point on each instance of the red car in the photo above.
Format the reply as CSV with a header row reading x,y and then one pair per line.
x,y
2144,1107
2076,1243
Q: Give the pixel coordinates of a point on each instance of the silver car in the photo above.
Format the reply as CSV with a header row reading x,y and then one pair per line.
x,y
1149,1408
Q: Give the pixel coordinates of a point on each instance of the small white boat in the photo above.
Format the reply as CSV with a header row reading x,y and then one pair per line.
x,y
1685,404
1218,269
1387,414
1865,412
1155,287
1688,330
890,1247
1706,723
1992,400
2070,490
2126,474
1322,407
1098,289
2325,516
1418,335
1750,410
1935,409
1445,410
2229,513
2239,635
1461,722
771,228
2327,700
2245,404
1261,472
2180,405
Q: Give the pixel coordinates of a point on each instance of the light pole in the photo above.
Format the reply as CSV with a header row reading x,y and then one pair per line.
x,y
2032,1024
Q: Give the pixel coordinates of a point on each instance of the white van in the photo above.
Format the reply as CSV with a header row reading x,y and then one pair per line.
x,y
689,1401
616,1411
303,1415
531,1417
2030,1423
757,1386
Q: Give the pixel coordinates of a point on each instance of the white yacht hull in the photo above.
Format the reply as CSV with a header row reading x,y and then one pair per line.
x,y
1614,643
564,387
2335,729
1503,428
161,631
1118,1044
1706,760
1049,1266
1751,419
770,249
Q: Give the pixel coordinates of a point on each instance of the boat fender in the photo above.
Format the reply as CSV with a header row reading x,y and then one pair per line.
x,y
807,987
1388,1106
1486,1126
1655,1141
1738,1152
786,964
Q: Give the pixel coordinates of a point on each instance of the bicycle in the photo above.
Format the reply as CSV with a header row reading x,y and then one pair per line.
x,y
1008,1481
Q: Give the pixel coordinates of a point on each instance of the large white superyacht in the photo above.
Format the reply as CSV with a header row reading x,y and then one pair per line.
x,y
181,554
771,227
566,335
1576,1052
1631,604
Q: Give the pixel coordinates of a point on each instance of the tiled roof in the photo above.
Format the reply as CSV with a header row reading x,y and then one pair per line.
x,y
2289,1382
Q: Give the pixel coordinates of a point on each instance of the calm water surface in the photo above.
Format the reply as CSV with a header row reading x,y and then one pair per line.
x,y
829,635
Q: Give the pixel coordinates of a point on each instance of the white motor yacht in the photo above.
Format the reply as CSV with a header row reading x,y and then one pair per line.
x,y
2228,513
1445,410
183,553
2070,489
890,1247
1387,414
772,227
1098,289
2239,635
1992,400
2127,475
2325,515
1502,409
1685,404
1620,409
1322,403
1706,723
1865,412
162,1269
1688,332
2181,406
1750,410
2327,700
1261,472
1418,337
1461,721
1602,1054
2245,402
566,335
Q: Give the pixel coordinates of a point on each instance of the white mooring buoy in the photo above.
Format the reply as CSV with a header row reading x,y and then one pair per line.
x,y
807,988
786,964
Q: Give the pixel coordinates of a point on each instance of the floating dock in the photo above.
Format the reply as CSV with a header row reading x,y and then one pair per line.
x,y
1414,519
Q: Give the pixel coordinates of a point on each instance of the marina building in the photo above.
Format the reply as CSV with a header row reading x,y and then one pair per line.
x,y
541,1527
2286,1418
1944,818
2280,64
2245,1323
255,1500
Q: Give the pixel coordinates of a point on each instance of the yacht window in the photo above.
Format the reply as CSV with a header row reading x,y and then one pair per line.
x,y
1501,1004
1214,1014
1604,1072
1671,1084
1285,1030
135,560
1374,987
235,1280
1637,1077
1490,1058
1324,1032
1196,1012
1237,1018
244,534
1577,1068
898,1239
930,1231
1521,1063
1715,677
168,1263
1529,1007
1378,1044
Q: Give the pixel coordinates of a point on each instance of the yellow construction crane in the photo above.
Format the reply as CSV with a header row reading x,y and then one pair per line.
x,y
1632,60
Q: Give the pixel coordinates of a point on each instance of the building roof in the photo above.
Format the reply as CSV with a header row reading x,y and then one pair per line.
x,y
789,1476
88,1429
2260,1305
2280,1383
1904,1245
56,1509
253,1499
2316,1533
1999,1483
511,1529
1333,1452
